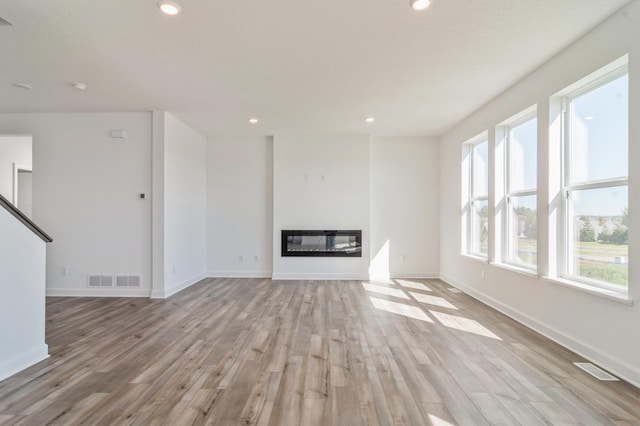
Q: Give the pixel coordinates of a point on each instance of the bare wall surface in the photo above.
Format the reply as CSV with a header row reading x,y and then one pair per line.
x,y
599,328
85,192
239,206
405,211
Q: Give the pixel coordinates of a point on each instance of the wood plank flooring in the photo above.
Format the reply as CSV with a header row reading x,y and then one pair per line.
x,y
262,352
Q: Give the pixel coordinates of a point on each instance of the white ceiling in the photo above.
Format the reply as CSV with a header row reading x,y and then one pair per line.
x,y
298,65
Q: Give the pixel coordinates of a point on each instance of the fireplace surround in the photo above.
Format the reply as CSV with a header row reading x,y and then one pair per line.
x,y
316,243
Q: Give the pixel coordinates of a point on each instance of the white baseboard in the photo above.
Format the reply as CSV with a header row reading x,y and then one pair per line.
x,y
415,275
163,294
98,292
18,363
239,274
319,276
619,368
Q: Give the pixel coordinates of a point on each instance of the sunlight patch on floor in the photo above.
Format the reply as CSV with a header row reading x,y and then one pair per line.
x,y
463,324
385,290
400,309
412,284
437,421
433,300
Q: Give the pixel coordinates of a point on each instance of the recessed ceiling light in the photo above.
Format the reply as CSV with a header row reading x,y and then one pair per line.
x,y
24,86
589,117
79,86
370,119
253,120
169,7
419,4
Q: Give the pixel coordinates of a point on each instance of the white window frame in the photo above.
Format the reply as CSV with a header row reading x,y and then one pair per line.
x,y
567,187
508,126
474,199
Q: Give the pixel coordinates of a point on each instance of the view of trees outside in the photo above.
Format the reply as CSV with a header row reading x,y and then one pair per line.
x,y
525,244
601,249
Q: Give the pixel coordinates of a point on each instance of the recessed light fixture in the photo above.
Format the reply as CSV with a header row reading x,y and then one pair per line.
x,y
79,86
589,117
253,120
169,8
370,119
24,86
419,4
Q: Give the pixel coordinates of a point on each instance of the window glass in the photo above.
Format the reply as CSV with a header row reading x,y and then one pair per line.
x,y
598,247
523,230
523,156
599,132
480,176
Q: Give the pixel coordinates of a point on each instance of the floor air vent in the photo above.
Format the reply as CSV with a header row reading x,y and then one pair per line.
x,y
100,281
454,290
128,281
595,371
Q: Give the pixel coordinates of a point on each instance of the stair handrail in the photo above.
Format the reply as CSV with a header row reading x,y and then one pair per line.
x,y
24,219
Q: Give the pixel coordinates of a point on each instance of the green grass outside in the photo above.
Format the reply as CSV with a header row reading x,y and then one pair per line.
x,y
596,260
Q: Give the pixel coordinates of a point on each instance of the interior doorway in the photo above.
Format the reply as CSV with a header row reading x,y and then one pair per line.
x,y
16,183
23,198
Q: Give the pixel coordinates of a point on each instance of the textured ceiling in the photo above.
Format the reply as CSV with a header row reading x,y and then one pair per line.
x,y
297,65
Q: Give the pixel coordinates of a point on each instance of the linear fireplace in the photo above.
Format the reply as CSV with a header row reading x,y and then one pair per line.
x,y
322,243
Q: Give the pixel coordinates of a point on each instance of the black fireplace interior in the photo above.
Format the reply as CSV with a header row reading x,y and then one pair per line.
x,y
322,243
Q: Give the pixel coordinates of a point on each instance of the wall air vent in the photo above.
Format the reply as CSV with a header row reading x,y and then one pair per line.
x,y
128,281
4,23
595,371
100,281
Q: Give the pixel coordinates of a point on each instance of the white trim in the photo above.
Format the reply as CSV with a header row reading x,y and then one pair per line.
x,y
612,295
318,276
163,294
27,359
623,370
16,169
239,274
97,292
415,275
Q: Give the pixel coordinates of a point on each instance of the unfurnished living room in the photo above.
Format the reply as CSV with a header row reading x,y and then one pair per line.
x,y
398,212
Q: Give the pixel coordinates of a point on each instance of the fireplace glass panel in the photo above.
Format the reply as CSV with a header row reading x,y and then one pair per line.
x,y
321,243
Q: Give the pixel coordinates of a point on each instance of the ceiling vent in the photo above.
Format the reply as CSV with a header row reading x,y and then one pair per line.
x,y
4,23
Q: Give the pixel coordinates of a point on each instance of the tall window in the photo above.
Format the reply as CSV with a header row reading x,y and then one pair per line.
x,y
520,218
478,227
595,189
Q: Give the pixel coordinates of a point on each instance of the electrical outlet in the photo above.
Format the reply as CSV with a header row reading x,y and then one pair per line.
x,y
482,274
241,258
255,258
64,271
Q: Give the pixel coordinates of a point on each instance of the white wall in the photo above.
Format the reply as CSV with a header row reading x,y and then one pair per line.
x,y
601,329
405,212
239,206
22,296
185,163
13,149
85,195
303,199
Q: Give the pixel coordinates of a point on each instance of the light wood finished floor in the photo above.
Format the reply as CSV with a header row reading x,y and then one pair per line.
x,y
254,351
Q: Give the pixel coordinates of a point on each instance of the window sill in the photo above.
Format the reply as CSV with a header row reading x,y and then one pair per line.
x,y
596,291
517,269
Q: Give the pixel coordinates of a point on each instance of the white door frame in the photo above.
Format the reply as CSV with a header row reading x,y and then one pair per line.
x,y
16,169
